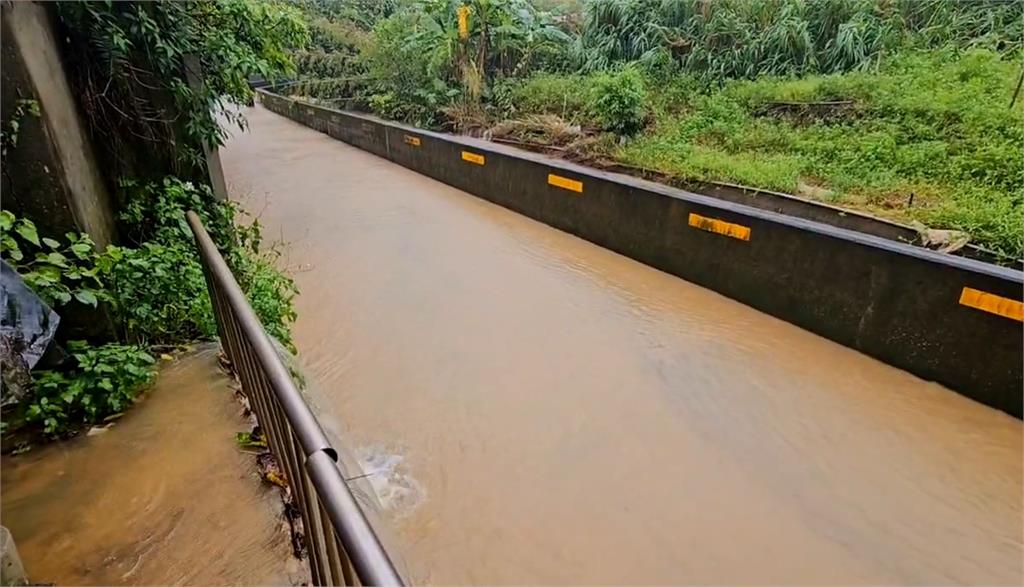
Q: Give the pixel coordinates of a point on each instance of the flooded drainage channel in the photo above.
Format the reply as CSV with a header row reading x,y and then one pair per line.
x,y
545,411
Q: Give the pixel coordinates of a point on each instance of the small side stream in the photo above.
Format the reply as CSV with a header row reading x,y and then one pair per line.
x,y
164,497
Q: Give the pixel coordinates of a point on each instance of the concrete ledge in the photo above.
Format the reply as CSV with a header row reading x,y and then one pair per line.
x,y
948,319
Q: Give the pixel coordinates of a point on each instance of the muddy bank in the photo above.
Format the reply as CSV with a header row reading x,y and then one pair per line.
x,y
164,497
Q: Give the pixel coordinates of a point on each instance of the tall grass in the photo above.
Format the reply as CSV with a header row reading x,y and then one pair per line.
x,y
725,39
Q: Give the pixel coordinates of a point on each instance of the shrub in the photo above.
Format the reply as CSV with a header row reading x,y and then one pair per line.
x,y
103,383
158,289
615,101
618,101
270,292
563,95
158,293
409,72
57,272
156,212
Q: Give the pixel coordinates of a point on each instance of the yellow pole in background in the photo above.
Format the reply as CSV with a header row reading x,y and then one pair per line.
x,y
463,22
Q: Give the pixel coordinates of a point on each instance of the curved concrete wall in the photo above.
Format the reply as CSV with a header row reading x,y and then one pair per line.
x,y
948,319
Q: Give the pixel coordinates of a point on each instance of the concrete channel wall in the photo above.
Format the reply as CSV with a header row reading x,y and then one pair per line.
x,y
948,319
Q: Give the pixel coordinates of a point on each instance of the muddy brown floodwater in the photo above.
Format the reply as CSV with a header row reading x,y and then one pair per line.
x,y
164,497
547,411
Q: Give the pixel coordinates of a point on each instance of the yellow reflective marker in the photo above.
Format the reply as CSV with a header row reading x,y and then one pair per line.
x,y
722,227
472,157
565,183
410,140
993,304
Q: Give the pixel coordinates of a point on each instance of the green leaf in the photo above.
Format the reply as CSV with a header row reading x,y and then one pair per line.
x,y
6,220
51,243
57,259
86,297
81,250
48,273
27,230
249,440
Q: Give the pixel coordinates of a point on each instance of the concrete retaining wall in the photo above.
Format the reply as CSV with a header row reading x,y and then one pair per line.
x,y
54,176
948,319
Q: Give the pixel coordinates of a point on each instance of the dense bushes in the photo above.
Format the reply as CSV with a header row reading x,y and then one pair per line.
x,y
416,63
413,63
153,286
159,288
104,382
159,296
331,68
128,59
410,76
618,101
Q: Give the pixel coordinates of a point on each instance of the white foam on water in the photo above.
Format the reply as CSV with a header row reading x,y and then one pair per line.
x,y
397,491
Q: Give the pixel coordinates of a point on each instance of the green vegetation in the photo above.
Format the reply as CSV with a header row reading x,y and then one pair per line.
x,y
129,55
727,39
9,130
618,101
57,272
159,289
155,290
896,107
104,382
133,62
928,137
407,60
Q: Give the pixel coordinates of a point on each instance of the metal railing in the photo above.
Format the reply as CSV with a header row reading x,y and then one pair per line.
x,y
341,545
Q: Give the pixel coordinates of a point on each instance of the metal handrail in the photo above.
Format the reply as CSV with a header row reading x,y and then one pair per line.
x,y
343,548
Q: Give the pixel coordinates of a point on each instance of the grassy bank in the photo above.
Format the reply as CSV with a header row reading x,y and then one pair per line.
x,y
926,137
